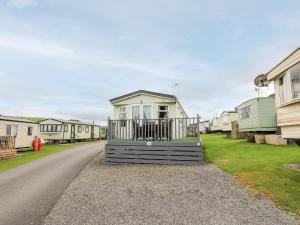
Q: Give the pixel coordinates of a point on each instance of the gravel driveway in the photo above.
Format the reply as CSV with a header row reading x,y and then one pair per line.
x,y
153,194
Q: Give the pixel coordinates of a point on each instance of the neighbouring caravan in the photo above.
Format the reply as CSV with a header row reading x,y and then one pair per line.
x,y
23,130
257,115
286,77
204,127
226,118
215,124
57,130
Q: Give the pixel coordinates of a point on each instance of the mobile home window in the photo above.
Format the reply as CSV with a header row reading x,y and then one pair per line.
x,y
283,89
12,130
295,81
147,111
79,129
50,128
66,128
245,113
136,112
29,131
122,114
162,111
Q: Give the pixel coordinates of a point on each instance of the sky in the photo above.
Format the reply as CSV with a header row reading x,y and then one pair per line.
x,y
66,59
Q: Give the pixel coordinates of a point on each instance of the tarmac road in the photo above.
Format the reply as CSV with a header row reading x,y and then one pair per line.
x,y
29,192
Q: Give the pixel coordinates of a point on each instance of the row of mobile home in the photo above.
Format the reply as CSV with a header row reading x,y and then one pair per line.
x,y
57,130
278,113
50,130
223,122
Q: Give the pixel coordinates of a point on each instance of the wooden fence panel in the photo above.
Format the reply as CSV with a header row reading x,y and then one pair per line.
x,y
7,147
183,153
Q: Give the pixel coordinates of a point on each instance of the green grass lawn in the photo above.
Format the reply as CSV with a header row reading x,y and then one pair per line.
x,y
28,157
259,167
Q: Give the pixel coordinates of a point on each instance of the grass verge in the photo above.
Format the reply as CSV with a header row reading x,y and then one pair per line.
x,y
28,157
259,167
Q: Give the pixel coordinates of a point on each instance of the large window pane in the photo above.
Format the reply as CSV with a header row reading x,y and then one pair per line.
x,y
147,112
295,80
283,89
135,112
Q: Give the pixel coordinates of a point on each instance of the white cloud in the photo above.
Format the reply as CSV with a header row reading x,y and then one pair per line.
x,y
21,3
37,46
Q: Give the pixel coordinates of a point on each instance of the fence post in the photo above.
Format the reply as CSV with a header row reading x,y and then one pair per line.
x,y
198,123
109,129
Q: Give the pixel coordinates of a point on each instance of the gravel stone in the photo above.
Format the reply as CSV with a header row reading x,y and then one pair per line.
x,y
158,194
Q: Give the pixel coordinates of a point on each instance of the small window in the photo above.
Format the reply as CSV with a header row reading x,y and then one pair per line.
x,y
245,113
8,130
42,128
66,128
79,129
29,131
87,129
123,114
162,111
163,108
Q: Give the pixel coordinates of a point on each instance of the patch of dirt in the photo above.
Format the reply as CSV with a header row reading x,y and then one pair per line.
x,y
292,166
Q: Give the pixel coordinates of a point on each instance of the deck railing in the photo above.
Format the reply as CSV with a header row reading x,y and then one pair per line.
x,y
167,129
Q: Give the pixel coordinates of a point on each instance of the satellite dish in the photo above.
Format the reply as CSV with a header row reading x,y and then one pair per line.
x,y
261,81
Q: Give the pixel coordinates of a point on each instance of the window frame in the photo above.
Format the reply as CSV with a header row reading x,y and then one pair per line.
x,y
50,128
139,112
297,66
66,128
151,111
248,112
123,113
287,90
166,110
79,129
29,130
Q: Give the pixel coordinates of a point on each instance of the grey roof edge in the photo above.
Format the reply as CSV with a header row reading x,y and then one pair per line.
x,y
149,93
272,95
143,92
70,122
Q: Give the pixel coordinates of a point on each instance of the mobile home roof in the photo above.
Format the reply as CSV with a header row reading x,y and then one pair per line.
x,y
15,119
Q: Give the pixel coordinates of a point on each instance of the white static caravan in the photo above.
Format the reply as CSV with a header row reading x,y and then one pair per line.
x,y
57,130
286,77
226,118
23,130
150,115
215,124
204,127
